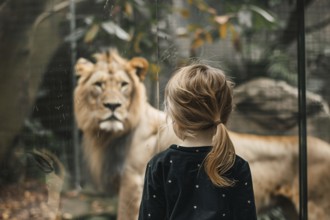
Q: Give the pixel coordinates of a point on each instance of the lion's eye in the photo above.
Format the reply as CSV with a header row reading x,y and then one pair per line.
x,y
123,84
98,84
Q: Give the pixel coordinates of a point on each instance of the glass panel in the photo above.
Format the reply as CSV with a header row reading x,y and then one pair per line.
x,y
63,151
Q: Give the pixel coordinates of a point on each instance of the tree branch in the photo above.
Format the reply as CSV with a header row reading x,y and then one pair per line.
x,y
289,34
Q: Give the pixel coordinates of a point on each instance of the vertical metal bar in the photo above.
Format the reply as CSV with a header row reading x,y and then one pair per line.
x,y
157,74
75,133
303,197
158,64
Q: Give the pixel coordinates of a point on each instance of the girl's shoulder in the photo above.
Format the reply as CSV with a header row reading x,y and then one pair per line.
x,y
240,168
160,157
240,162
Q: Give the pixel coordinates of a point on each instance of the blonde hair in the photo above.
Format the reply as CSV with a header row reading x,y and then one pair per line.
x,y
199,97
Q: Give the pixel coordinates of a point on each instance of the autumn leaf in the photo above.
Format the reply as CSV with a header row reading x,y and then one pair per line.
x,y
91,33
198,42
154,70
212,11
185,13
137,41
128,9
202,6
192,27
208,37
222,19
223,31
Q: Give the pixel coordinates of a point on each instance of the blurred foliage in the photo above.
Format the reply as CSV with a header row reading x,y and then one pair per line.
x,y
280,67
138,28
225,20
241,22
132,26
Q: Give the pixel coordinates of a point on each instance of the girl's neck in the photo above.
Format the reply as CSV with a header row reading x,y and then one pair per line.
x,y
200,138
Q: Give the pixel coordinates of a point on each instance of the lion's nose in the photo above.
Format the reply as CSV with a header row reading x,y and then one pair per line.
x,y
111,106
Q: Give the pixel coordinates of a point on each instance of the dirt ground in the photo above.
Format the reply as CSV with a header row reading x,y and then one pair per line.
x,y
30,200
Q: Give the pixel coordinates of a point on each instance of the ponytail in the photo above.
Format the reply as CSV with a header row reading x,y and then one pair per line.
x,y
221,158
199,97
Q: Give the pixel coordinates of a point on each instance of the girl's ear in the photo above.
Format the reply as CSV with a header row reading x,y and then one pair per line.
x,y
84,68
141,65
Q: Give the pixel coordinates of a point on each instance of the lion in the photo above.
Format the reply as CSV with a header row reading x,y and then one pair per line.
x,y
122,131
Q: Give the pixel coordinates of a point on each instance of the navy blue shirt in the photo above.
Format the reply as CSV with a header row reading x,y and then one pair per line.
x,y
176,187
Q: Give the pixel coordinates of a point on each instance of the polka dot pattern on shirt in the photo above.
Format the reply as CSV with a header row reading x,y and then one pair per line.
x,y
182,166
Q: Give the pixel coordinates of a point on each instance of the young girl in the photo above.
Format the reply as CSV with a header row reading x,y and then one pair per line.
x,y
201,178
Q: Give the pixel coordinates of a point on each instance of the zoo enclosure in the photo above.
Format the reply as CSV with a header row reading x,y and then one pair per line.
x,y
53,104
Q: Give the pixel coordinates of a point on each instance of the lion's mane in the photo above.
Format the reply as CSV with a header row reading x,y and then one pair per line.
x,y
110,100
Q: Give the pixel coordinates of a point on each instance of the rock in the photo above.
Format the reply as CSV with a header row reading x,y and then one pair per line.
x,y
273,104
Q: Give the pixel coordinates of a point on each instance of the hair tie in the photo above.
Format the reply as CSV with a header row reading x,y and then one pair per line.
x,y
217,122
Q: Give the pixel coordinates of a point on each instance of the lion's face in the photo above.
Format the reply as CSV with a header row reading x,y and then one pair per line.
x,y
109,93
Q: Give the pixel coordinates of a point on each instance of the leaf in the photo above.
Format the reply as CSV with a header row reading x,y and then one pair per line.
x,y
121,34
137,41
185,13
181,32
265,14
245,18
91,33
114,29
212,11
223,31
235,38
129,9
232,30
201,5
222,19
208,37
109,27
154,70
192,27
198,42
237,43
89,20
75,35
